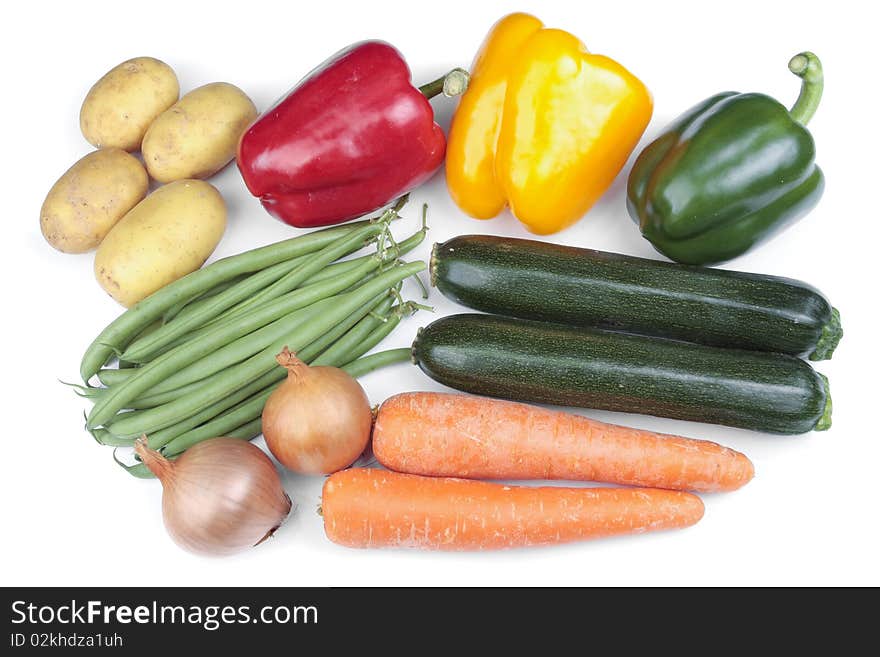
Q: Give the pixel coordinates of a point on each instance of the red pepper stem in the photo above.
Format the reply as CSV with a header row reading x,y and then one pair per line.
x,y
451,84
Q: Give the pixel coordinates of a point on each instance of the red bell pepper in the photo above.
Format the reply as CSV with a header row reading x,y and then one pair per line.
x,y
349,138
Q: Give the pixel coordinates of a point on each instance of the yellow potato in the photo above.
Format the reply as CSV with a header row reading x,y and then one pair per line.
x,y
198,135
164,237
121,105
91,196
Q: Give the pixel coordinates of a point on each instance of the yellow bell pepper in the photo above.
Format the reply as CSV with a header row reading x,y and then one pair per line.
x,y
544,126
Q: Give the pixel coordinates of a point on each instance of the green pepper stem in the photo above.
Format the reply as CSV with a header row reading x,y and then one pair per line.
x,y
451,84
809,69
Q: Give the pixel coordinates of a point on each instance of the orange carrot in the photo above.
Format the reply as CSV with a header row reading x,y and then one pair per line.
x,y
366,507
450,435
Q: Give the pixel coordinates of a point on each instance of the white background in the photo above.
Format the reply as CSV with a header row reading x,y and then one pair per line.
x,y
70,516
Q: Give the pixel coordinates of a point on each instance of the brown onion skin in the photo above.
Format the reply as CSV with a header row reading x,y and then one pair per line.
x,y
318,421
220,496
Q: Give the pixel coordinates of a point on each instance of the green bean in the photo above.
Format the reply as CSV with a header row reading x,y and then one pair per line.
x,y
172,312
152,327
260,362
378,334
378,304
106,438
142,350
294,279
87,392
287,322
246,411
331,271
128,424
151,399
250,411
152,376
367,364
228,316
247,431
159,436
138,470
307,353
234,352
166,365
276,309
335,354
254,281
397,251
162,437
254,427
387,255
336,269
112,376
402,248
120,331
183,339
342,352
242,286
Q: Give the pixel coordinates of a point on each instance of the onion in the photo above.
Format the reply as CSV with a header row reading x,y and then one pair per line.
x,y
221,496
318,420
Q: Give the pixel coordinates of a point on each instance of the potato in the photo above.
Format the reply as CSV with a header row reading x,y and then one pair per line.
x,y
121,105
198,135
167,235
90,198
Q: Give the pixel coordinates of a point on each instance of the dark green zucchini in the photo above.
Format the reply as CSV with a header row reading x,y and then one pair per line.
x,y
591,368
583,287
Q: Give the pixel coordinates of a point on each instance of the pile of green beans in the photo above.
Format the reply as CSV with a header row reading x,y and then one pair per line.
x,y
196,359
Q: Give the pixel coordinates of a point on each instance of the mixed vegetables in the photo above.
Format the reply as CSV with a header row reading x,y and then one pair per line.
x,y
271,341
212,366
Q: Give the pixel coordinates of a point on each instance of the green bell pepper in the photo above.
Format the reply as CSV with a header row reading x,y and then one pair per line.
x,y
729,173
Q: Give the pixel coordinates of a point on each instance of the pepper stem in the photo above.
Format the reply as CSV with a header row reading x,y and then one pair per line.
x,y
451,84
807,67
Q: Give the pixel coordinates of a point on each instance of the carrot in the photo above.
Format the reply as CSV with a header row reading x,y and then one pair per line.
x,y
366,507
450,435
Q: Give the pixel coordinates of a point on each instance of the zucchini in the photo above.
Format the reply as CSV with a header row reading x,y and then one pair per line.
x,y
546,363
583,287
